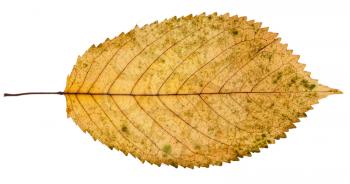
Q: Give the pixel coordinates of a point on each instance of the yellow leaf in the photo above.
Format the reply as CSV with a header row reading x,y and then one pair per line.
x,y
191,91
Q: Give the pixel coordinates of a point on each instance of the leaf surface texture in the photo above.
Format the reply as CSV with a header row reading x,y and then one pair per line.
x,y
191,91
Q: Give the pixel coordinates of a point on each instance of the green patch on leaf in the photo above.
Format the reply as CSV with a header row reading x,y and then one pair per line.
x,y
293,81
277,78
234,31
307,85
167,149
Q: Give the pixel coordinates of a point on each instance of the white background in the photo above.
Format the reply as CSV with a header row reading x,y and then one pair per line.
x,y
39,44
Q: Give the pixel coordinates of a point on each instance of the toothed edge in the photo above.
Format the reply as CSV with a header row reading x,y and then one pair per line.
x,y
189,16
257,25
251,22
226,15
254,150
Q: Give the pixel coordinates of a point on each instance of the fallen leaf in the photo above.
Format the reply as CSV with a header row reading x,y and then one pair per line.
x,y
191,91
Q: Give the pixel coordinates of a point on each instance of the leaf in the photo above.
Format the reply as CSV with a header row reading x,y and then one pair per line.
x,y
191,91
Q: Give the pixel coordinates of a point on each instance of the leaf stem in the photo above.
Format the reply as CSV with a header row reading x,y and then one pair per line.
x,y
34,93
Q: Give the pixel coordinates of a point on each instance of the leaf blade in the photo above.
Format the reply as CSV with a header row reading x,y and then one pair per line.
x,y
191,91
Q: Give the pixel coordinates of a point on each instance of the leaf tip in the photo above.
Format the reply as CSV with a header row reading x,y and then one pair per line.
x,y
336,91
